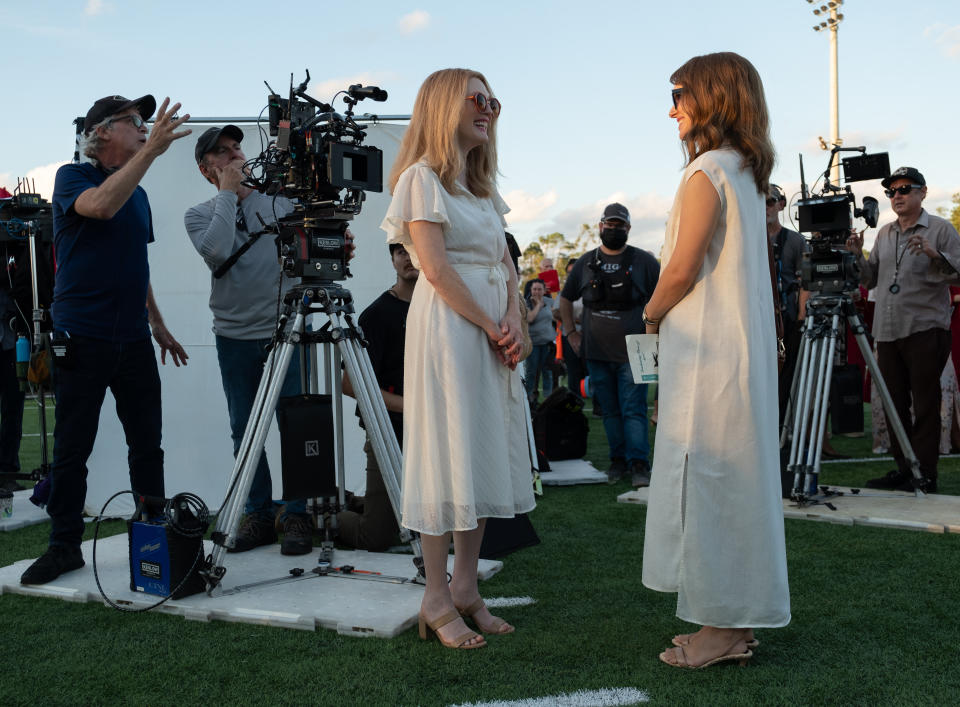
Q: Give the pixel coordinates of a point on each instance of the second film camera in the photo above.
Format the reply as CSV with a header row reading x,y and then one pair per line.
x,y
827,218
317,159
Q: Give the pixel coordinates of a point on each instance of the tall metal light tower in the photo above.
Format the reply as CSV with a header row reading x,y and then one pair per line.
x,y
831,22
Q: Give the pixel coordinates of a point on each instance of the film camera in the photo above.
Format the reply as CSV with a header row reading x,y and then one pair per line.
x,y
23,212
317,159
829,267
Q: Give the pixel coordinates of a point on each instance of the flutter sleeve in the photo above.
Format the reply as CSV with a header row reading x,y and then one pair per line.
x,y
418,196
501,206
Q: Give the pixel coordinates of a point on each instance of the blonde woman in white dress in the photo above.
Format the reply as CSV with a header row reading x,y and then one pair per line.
x,y
465,450
714,532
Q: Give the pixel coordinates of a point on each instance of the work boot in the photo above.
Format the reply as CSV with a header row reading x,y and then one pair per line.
x,y
640,477
53,563
297,535
255,530
893,480
618,467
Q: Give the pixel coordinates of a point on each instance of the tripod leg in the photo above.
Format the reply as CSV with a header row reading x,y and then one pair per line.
x,y
820,407
805,373
382,437
794,388
800,453
248,455
893,418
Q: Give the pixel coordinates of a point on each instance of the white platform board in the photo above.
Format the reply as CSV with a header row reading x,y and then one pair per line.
x,y
933,513
572,471
24,512
356,607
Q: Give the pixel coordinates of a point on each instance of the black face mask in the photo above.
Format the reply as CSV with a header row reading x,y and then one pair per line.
x,y
613,238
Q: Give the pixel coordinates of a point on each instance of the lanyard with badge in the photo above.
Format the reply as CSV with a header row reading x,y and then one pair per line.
x,y
898,258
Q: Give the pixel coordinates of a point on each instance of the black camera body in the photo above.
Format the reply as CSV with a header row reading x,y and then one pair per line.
x,y
828,267
318,160
23,212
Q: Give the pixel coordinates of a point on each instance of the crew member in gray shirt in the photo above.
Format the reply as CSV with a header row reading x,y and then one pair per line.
x,y
244,306
911,265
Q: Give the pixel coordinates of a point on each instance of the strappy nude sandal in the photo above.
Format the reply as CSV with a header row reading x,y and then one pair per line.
x,y
683,639
499,627
682,662
428,628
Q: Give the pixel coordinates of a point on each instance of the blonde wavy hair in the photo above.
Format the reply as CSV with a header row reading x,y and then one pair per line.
x,y
432,135
723,95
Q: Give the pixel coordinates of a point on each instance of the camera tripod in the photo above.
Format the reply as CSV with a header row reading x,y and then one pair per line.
x,y
41,341
806,414
342,341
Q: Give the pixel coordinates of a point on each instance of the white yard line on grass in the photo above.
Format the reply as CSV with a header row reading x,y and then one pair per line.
x,y
582,698
500,602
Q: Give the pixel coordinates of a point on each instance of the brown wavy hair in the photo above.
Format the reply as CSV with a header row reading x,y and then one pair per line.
x,y
724,98
432,135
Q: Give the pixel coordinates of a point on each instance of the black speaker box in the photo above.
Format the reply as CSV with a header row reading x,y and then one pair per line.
x,y
306,446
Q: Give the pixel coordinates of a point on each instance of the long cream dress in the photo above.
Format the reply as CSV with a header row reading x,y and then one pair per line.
x,y
714,530
465,449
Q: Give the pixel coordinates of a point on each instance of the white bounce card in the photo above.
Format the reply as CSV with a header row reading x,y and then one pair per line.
x,y
643,351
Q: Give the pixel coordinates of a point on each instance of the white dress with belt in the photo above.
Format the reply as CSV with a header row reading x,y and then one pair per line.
x,y
465,449
714,531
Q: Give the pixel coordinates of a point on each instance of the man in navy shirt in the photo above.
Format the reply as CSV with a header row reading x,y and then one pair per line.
x,y
104,311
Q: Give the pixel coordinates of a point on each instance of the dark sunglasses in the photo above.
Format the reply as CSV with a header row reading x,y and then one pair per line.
x,y
675,94
903,189
137,121
481,102
771,202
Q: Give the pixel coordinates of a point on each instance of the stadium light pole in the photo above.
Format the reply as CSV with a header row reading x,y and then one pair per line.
x,y
830,12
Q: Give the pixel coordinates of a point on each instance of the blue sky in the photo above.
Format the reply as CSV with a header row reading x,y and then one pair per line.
x,y
585,86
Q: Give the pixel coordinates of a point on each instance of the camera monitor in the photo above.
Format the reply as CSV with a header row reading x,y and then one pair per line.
x,y
864,167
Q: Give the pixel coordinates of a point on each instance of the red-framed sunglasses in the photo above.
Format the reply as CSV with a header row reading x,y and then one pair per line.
x,y
481,102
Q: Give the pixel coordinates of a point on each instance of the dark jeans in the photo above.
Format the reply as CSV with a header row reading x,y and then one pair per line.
x,y
241,367
536,364
130,372
911,368
376,529
624,406
11,413
792,339
575,366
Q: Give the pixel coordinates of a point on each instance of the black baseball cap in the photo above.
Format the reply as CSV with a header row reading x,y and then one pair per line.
x,y
616,210
111,105
208,140
911,173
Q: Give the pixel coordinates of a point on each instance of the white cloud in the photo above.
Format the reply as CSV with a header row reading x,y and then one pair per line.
x,y
526,207
648,218
325,90
414,21
947,38
94,7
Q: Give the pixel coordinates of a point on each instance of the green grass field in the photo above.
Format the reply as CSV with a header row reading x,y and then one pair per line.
x,y
874,623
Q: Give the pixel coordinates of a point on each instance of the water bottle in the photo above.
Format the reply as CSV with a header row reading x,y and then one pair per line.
x,y
23,360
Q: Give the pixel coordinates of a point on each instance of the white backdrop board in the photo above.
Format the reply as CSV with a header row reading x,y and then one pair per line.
x,y
196,432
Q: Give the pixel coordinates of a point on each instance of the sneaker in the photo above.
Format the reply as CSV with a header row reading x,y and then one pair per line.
x,y
255,530
297,535
618,467
53,563
641,474
893,480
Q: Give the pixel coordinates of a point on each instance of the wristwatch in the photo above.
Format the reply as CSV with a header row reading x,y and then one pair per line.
x,y
647,321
